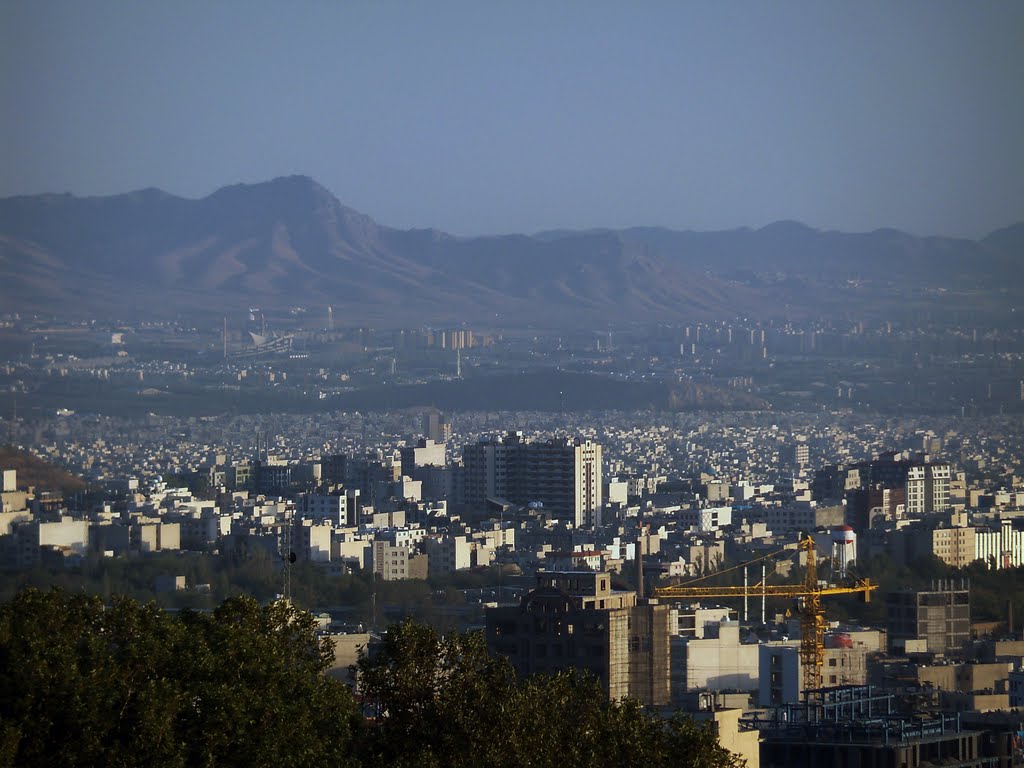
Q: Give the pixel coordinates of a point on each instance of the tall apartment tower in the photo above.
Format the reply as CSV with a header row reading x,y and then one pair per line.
x,y
435,427
928,488
563,475
492,468
589,485
924,485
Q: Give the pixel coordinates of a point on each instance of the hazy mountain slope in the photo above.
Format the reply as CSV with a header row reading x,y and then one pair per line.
x,y
791,247
289,242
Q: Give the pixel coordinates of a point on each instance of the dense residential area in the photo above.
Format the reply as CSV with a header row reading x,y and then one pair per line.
x,y
576,547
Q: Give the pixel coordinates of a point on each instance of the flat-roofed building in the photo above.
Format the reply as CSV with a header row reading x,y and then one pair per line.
x,y
563,475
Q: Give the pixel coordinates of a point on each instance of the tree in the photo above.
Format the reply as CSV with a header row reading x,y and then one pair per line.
x,y
436,698
83,684
262,697
443,700
86,684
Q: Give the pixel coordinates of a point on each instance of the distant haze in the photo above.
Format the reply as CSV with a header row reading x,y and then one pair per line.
x,y
519,117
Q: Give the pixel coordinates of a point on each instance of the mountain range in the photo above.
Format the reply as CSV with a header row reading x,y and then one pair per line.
x,y
289,242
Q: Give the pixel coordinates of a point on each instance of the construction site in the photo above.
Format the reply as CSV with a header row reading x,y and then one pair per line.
x,y
925,697
785,687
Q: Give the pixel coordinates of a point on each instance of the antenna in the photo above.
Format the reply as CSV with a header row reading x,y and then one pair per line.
x,y
225,337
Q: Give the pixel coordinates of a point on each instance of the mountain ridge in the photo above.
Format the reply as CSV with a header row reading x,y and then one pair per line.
x,y
289,241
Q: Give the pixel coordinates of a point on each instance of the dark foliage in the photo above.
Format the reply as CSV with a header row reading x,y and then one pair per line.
x,y
127,684
124,684
446,701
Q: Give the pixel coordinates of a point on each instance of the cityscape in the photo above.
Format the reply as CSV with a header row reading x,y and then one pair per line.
x,y
597,519
675,417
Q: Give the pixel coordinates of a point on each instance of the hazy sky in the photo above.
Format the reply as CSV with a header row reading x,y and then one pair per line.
x,y
484,117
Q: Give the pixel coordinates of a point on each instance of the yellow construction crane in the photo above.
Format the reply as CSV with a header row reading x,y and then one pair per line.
x,y
809,593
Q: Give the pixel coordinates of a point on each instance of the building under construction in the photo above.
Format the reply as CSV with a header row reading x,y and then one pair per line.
x,y
857,727
935,621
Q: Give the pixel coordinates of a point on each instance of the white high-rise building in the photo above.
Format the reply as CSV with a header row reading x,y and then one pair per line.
x,y
928,488
1003,548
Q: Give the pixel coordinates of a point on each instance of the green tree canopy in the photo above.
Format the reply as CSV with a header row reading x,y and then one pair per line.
x,y
88,684
447,701
128,684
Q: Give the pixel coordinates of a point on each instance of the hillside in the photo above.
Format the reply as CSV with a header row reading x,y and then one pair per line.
x,y
289,242
42,475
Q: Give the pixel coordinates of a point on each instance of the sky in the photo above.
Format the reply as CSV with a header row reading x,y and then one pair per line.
x,y
487,117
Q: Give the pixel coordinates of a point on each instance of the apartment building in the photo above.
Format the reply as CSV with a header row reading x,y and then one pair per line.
x,y
562,475
394,562
574,619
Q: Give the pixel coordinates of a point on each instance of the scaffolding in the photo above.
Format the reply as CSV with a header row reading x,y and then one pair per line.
x,y
859,725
